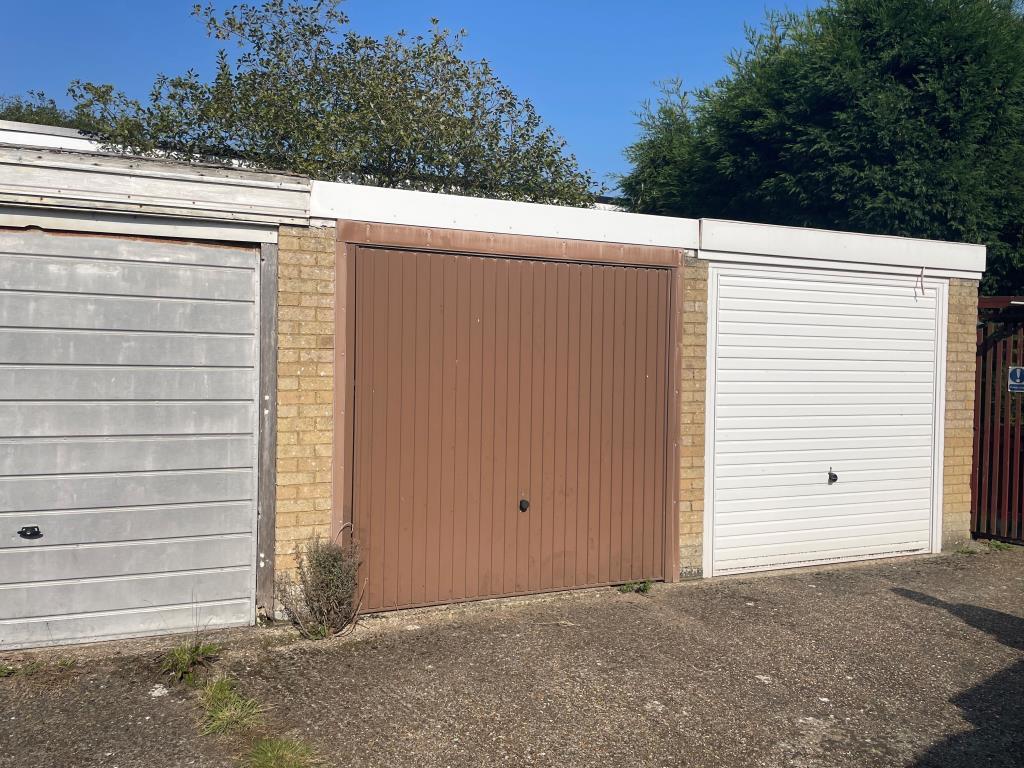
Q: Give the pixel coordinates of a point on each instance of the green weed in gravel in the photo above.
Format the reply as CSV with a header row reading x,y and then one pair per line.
x,y
226,710
26,669
998,546
982,546
639,587
182,661
281,753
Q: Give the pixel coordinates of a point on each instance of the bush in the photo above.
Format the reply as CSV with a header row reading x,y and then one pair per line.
x,y
323,598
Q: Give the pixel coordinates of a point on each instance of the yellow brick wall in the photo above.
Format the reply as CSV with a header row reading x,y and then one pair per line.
x,y
306,294
305,387
692,385
959,424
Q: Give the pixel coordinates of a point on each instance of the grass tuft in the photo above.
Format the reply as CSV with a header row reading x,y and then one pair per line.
x,y
638,587
281,753
998,546
182,661
26,669
227,711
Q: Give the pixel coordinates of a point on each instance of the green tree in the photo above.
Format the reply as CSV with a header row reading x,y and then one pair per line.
x,y
36,107
902,117
300,91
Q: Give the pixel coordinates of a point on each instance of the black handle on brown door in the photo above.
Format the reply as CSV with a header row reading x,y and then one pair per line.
x,y
524,505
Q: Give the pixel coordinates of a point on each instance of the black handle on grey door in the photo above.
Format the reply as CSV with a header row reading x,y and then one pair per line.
x,y
30,532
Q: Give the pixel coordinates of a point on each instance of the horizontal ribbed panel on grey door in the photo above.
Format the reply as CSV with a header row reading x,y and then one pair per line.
x,y
128,415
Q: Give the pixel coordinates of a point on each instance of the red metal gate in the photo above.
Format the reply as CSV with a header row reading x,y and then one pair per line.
x,y
997,484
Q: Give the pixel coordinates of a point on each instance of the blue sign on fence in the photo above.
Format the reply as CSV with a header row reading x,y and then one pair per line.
x,y
1016,379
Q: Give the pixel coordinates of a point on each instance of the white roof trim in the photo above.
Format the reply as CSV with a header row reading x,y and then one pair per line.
x,y
426,209
49,136
748,259
50,130
725,240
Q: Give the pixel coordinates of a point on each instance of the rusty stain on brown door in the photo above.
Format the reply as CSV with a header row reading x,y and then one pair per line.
x,y
483,385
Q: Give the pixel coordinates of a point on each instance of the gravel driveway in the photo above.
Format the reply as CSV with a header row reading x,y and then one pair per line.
x,y
891,663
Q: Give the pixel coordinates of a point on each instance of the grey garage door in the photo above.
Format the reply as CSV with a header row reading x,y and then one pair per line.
x,y
128,389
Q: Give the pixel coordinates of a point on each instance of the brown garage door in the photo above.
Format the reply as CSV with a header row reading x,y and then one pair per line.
x,y
481,383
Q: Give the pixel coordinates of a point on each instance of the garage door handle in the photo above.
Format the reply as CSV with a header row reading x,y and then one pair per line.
x,y
524,505
30,532
832,476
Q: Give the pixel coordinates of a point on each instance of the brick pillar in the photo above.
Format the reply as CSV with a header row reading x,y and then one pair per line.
x,y
305,382
692,385
958,449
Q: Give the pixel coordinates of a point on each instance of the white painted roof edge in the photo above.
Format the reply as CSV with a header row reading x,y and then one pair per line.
x,y
332,200
45,136
50,130
737,237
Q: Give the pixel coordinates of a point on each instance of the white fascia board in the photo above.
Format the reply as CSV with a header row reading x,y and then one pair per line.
x,y
45,136
720,257
332,200
851,249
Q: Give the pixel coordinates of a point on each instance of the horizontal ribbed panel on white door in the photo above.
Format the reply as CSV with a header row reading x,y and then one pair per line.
x,y
815,372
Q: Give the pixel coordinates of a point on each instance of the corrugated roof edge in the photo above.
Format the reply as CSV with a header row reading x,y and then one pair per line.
x,y
49,178
141,162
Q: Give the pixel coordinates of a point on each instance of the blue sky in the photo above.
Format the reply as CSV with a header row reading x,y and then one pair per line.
x,y
586,65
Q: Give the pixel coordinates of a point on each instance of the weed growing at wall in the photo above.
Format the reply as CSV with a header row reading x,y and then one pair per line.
x,y
323,598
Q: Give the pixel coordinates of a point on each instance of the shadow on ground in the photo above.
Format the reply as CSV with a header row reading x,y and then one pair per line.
x,y
995,707
905,662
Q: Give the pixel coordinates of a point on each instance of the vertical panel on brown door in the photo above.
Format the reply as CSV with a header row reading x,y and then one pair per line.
x,y
512,280
406,539
606,361
575,534
630,417
586,571
421,541
480,381
489,466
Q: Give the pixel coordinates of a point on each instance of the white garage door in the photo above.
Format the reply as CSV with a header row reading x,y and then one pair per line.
x,y
815,373
127,436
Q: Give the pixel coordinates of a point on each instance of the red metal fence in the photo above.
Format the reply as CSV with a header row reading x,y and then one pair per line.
x,y
997,485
